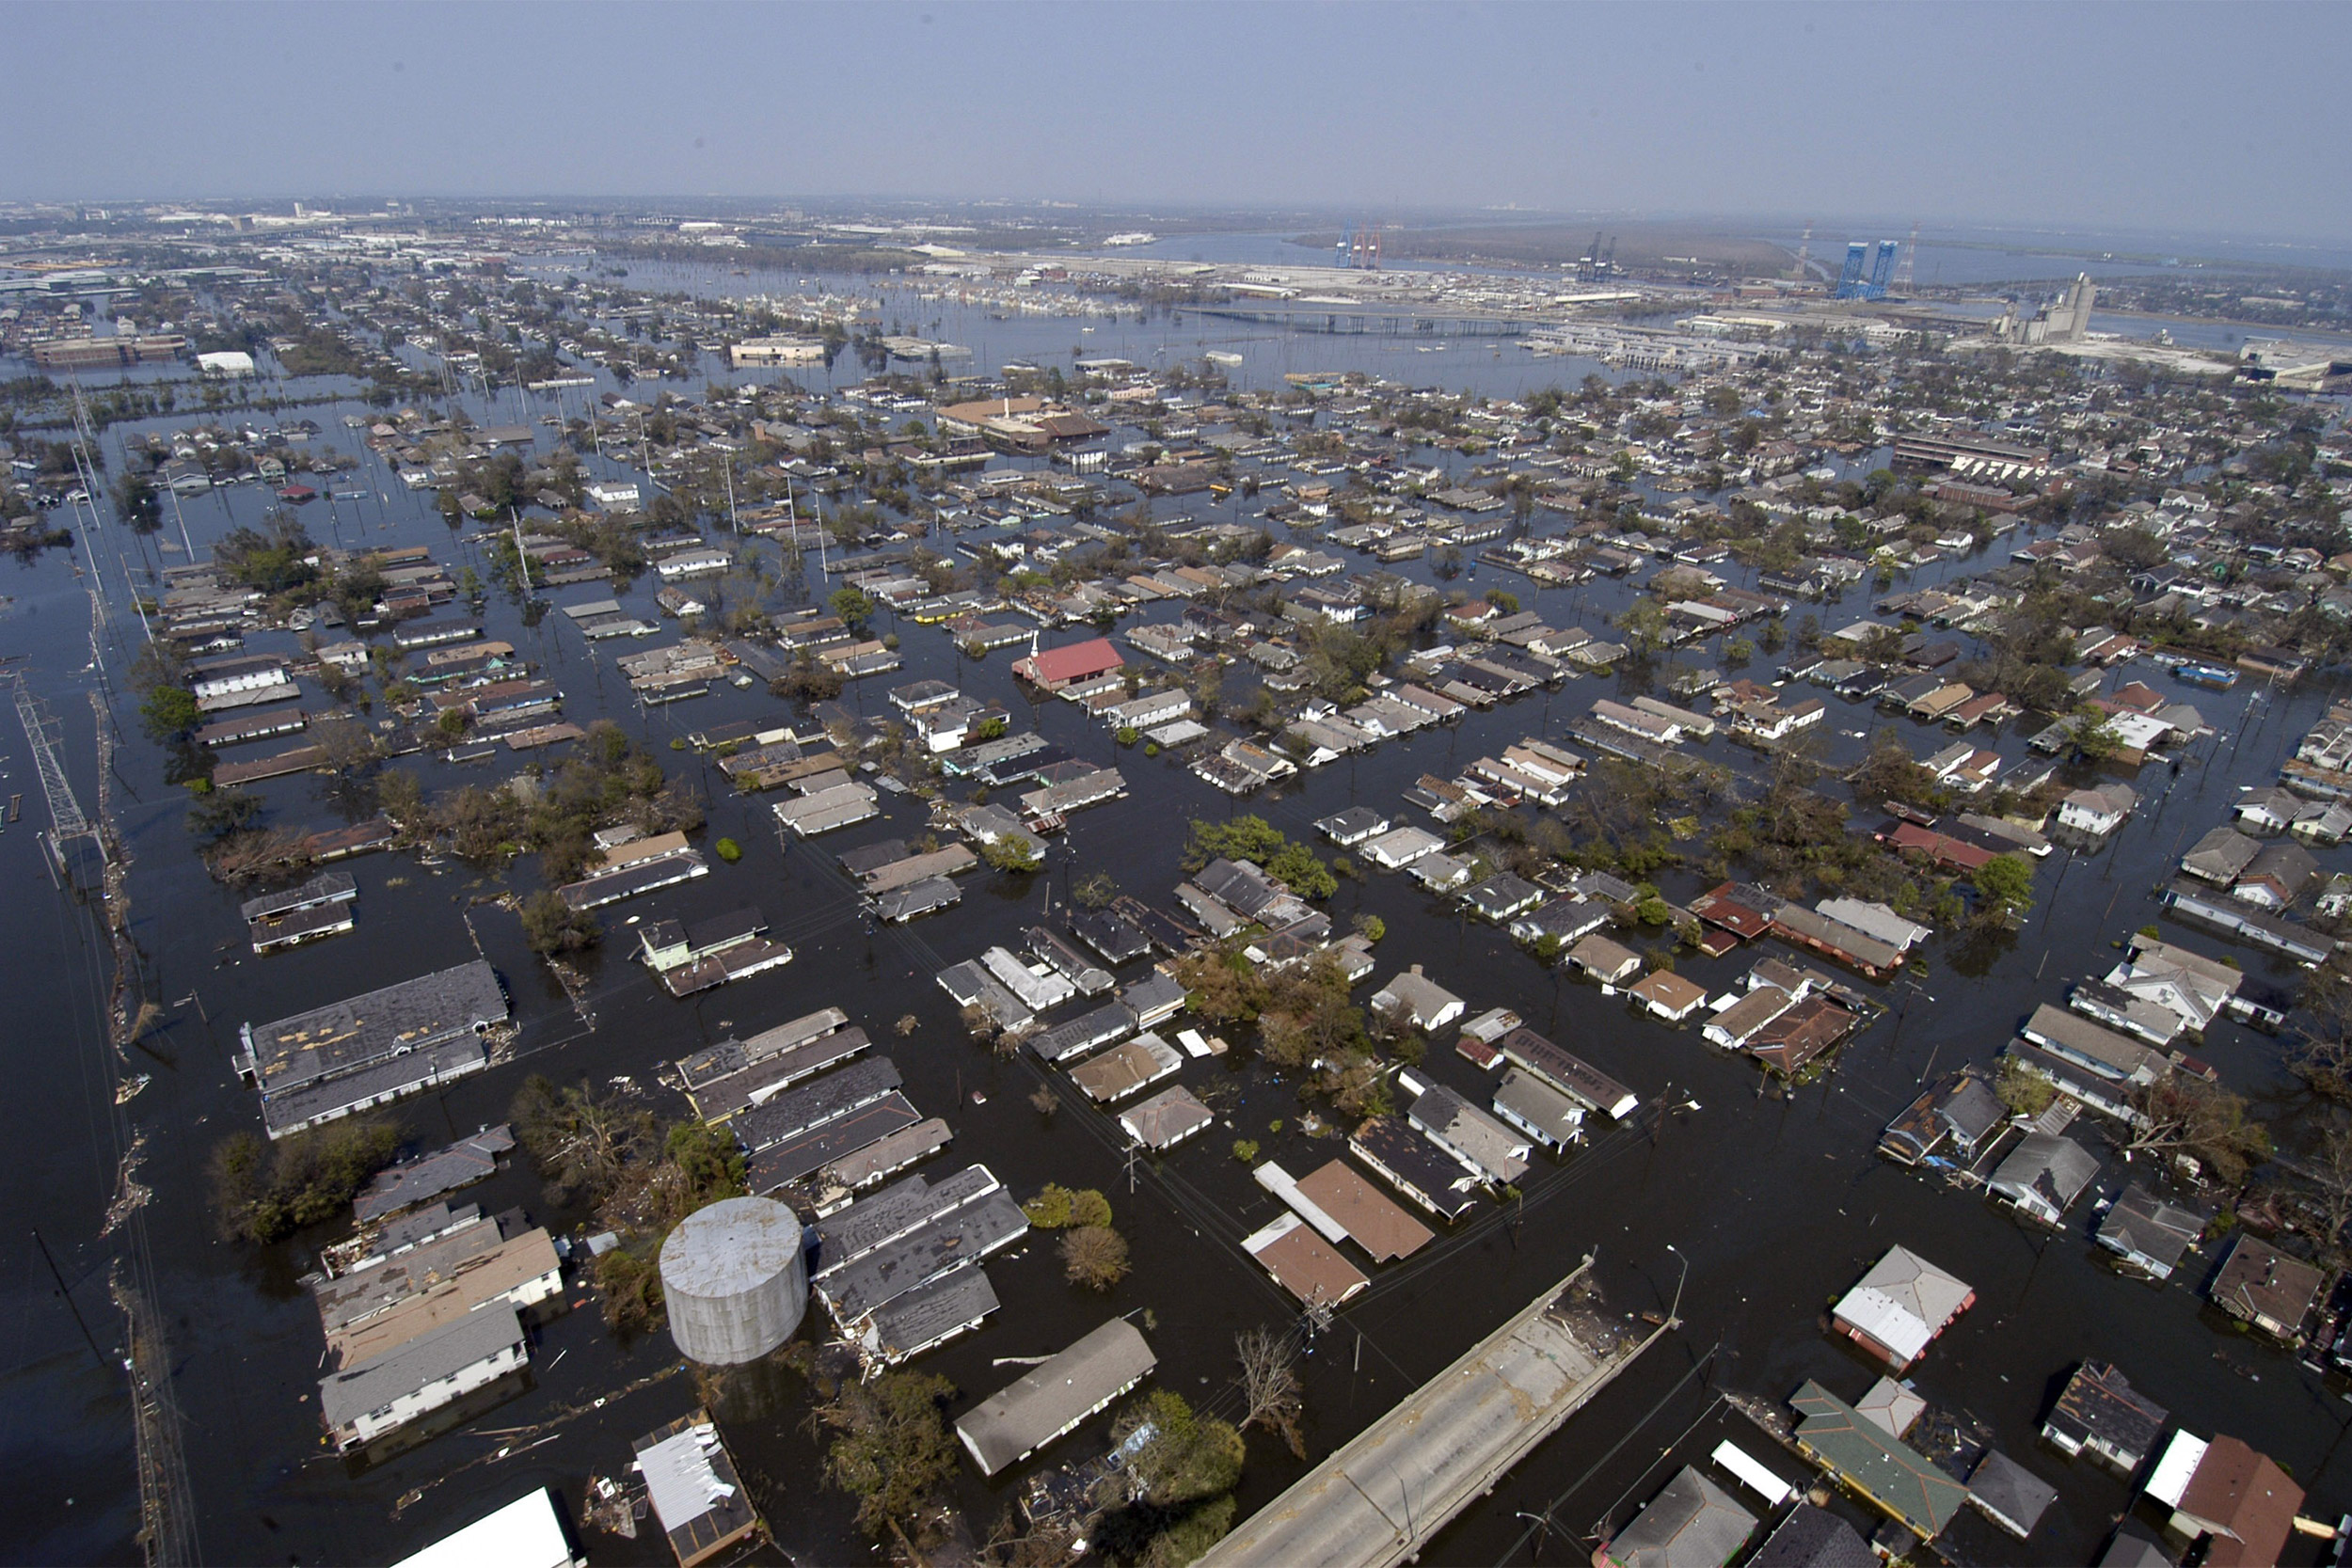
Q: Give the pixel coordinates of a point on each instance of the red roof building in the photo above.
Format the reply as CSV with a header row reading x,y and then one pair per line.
x,y
1721,906
1952,852
1056,668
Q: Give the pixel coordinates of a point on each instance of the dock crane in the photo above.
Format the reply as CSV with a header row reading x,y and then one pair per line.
x,y
1588,266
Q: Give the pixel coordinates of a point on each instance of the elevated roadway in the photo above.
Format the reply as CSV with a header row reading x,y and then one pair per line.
x,y
1381,1498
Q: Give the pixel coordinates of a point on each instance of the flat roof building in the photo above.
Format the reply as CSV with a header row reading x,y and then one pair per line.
x,y
696,1494
526,1533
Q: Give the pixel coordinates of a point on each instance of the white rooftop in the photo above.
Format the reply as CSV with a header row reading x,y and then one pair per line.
x,y
1903,1302
526,1533
679,1478
2169,1481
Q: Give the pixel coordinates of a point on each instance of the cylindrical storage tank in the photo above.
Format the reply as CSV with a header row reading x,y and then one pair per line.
x,y
735,1280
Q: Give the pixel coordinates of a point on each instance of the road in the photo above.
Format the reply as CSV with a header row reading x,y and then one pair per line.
x,y
1381,1499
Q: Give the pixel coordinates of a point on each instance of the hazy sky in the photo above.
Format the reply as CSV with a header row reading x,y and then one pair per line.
x,y
2196,118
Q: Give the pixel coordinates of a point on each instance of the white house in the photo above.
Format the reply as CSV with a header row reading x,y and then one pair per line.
x,y
363,1403
693,563
2098,811
1418,1000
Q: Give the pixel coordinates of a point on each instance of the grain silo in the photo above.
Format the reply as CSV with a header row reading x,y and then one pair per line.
x,y
735,1280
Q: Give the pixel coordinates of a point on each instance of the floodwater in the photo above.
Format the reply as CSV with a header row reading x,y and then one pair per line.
x,y
947,309
1776,1204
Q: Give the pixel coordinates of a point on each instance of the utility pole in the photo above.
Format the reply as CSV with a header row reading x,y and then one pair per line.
x,y
185,543
79,1321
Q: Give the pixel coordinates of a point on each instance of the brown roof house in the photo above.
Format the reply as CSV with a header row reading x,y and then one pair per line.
x,y
1669,996
2265,1287
2237,1500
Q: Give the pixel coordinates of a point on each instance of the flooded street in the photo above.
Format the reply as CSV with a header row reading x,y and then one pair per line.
x,y
1774,1200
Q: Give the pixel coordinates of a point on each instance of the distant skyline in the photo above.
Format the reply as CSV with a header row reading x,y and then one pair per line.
x,y
2198,119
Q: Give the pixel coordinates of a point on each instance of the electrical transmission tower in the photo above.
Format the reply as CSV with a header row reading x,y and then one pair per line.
x,y
1805,254
1905,268
66,821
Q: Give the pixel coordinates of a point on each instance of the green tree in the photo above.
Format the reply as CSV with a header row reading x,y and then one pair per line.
x,y
809,680
709,1164
1011,853
1302,871
2027,1094
169,713
2005,884
1188,1456
216,813
1050,1208
263,1192
1243,838
852,605
2094,737
550,925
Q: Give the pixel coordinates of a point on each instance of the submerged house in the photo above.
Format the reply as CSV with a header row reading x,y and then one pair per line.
x,y
2044,1175
1050,1400
2262,1286
1691,1523
1951,1121
1859,1454
351,1055
2099,1412
1897,1308
2224,1493
2147,1233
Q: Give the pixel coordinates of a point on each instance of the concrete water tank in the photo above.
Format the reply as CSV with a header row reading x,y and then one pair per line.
x,y
735,1280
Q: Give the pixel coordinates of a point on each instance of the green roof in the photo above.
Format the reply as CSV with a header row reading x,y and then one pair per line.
x,y
1896,1477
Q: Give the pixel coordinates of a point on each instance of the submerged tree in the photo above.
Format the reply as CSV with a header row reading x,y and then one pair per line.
x,y
1272,1397
1094,1255
264,1191
2181,1114
893,1452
